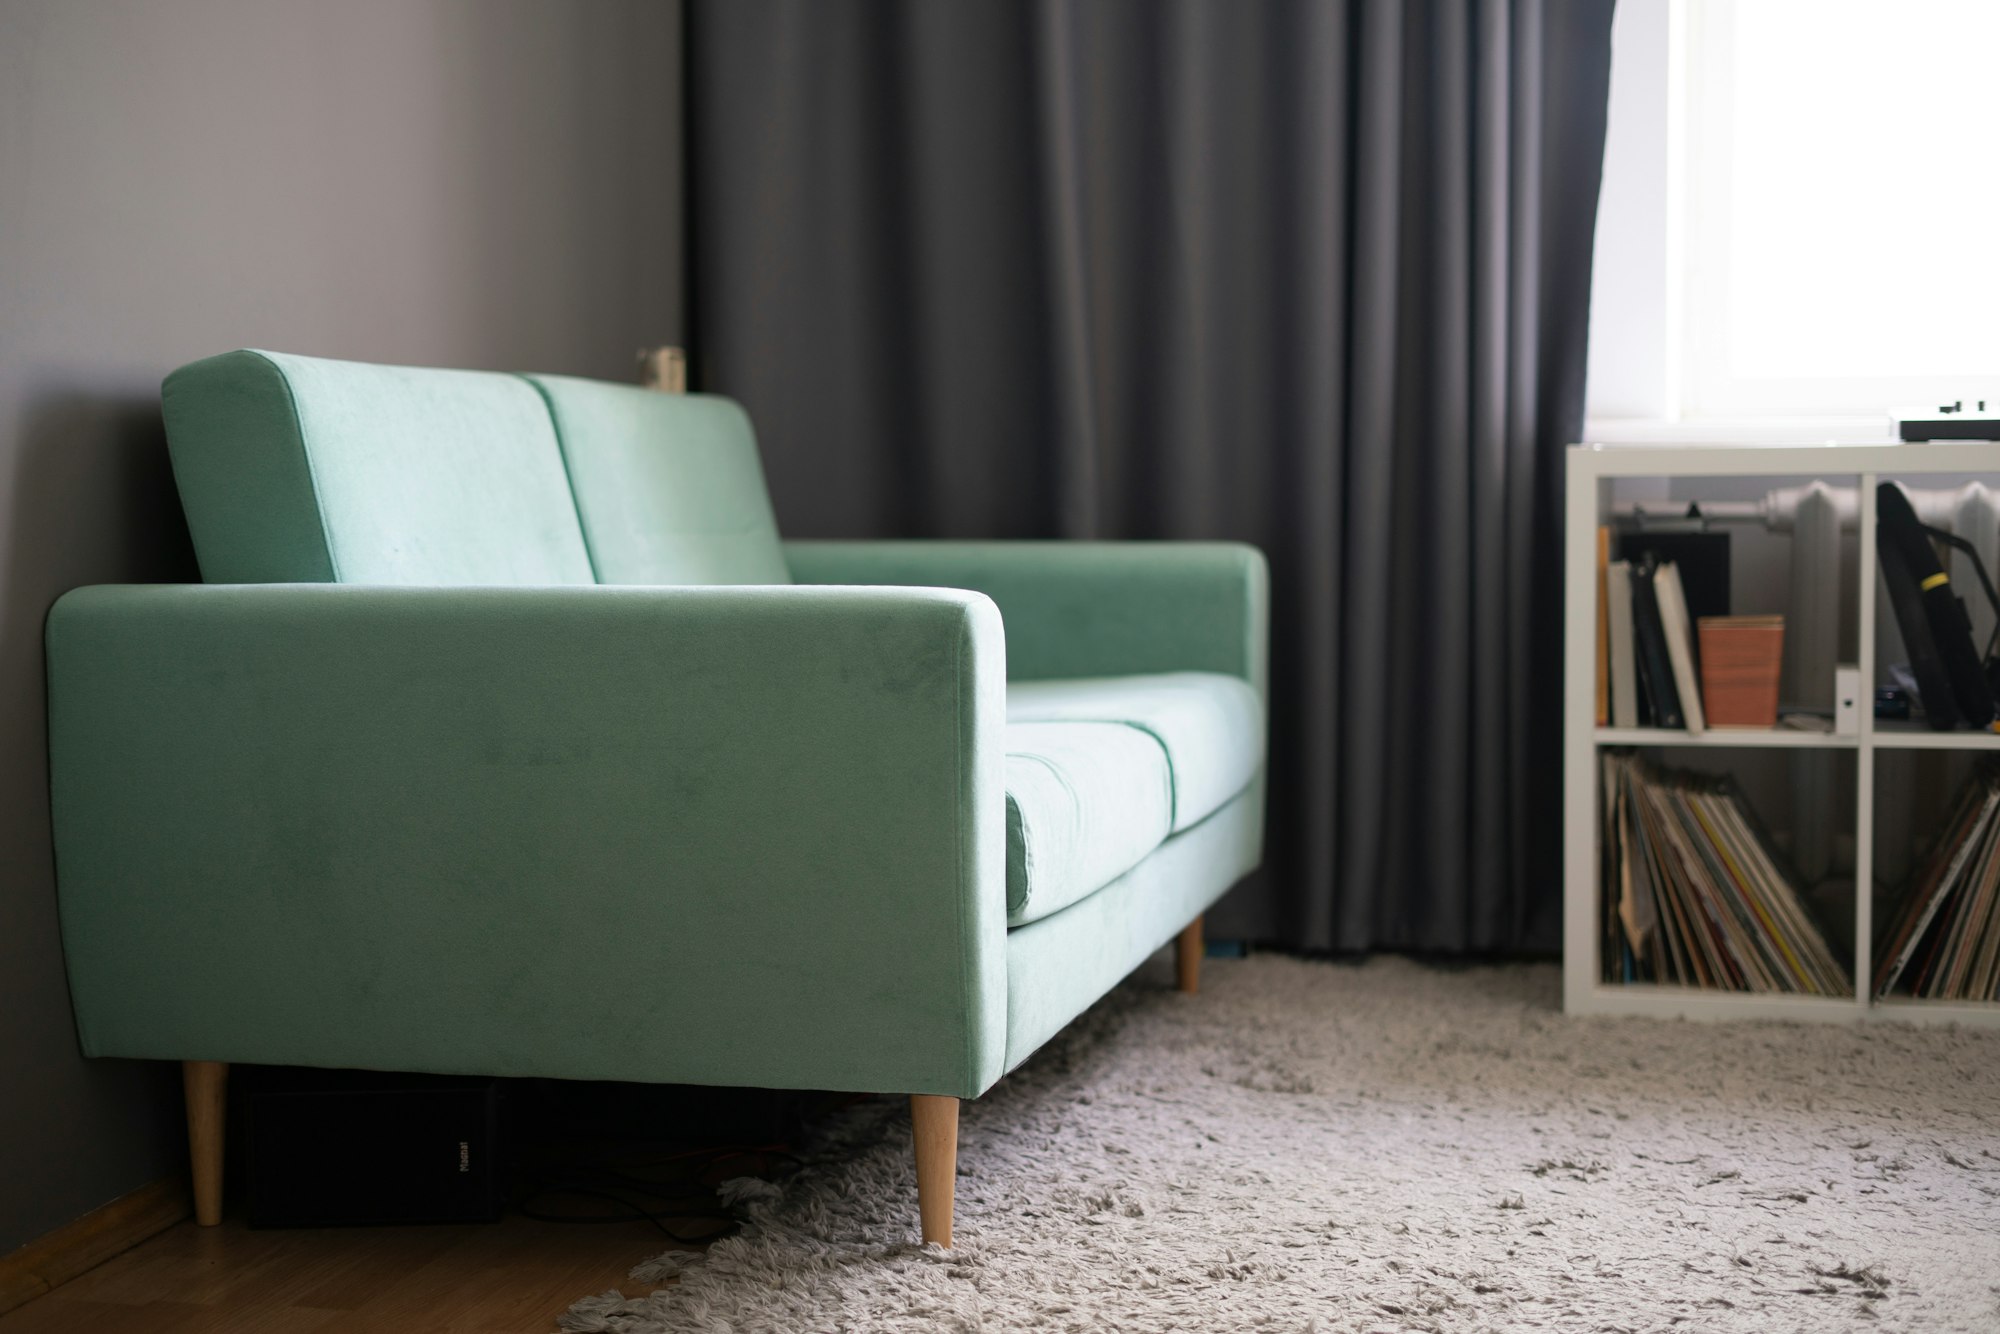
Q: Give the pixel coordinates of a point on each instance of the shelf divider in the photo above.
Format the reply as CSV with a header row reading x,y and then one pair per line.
x,y
1864,760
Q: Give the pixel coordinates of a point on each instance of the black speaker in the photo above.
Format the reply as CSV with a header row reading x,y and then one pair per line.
x,y
335,1147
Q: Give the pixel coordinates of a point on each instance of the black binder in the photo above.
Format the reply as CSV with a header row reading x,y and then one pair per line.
x,y
1655,668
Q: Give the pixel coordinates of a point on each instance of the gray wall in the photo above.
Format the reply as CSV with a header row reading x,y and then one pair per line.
x,y
486,183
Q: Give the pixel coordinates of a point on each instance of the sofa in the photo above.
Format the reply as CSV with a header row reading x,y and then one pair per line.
x,y
505,737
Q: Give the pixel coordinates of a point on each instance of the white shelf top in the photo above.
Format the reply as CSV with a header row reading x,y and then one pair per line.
x,y
1888,736
1740,737
1708,459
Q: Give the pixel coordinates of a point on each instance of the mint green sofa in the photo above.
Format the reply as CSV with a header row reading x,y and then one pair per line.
x,y
506,738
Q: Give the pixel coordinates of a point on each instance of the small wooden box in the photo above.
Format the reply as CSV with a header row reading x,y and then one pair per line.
x,y
1740,656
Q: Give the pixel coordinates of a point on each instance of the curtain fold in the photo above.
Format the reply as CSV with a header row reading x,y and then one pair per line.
x,y
1308,274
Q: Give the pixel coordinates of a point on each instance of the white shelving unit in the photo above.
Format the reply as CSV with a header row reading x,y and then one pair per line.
x,y
1593,470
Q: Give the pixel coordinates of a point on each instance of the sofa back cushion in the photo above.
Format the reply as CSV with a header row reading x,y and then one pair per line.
x,y
302,470
668,486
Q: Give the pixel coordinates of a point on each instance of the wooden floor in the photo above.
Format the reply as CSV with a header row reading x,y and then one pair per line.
x,y
511,1277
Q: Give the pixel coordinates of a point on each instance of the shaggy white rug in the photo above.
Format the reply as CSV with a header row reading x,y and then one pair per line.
x,y
1312,1146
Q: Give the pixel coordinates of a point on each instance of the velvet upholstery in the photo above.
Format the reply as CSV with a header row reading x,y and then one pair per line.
x,y
1086,801
668,486
336,808
299,469
1209,726
594,833
1076,609
1059,966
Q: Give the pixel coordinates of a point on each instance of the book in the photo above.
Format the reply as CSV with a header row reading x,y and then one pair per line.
x,y
1603,627
1678,631
1983,973
1701,556
1962,953
1624,671
1944,940
1696,894
1642,678
1921,898
1651,645
1637,913
1948,922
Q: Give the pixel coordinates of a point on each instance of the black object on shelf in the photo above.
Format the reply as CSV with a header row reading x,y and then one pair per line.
x,y
335,1147
1949,421
1702,559
1655,671
1892,703
1953,680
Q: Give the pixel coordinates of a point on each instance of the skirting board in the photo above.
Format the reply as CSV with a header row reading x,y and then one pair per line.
x,y
49,1262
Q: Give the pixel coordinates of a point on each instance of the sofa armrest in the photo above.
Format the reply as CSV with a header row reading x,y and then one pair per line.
x,y
1085,608
746,836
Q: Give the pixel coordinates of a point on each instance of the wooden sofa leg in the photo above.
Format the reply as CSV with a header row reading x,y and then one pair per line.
x,y
1189,957
936,1121
205,1085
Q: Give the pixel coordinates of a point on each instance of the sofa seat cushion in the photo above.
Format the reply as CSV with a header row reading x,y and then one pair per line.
x,y
1086,802
1210,726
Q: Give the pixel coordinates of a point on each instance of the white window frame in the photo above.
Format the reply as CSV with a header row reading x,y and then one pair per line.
x,y
1653,377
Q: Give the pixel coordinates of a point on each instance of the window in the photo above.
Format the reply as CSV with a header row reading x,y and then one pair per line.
x,y
1799,215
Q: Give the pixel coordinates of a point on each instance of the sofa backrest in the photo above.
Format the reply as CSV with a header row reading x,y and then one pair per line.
x,y
668,486
302,470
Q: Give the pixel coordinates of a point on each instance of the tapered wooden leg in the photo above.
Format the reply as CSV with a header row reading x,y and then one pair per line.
x,y
936,1121
1188,957
206,1086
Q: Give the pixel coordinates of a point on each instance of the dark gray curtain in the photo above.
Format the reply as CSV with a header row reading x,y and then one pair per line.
x,y
1307,274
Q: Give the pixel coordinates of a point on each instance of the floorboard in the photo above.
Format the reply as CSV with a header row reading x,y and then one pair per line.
x,y
511,1277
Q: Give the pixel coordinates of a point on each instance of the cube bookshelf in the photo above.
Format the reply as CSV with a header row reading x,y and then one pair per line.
x,y
1595,473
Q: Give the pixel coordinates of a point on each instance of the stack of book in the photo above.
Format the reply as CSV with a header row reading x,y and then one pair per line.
x,y
1694,893
1669,654
1944,943
1647,645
